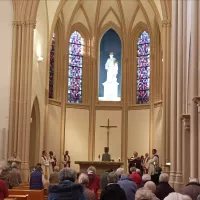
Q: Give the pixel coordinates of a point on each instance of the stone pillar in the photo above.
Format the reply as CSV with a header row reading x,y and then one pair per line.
x,y
194,90
186,148
166,24
173,111
179,86
20,97
197,101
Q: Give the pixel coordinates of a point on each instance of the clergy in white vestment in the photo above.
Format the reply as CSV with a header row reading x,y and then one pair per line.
x,y
14,158
52,162
153,162
45,164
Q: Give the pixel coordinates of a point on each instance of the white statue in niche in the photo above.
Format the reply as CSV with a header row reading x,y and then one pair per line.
x,y
112,68
111,84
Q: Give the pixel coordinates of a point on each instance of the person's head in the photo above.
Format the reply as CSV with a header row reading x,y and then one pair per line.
x,y
44,153
146,177
5,169
109,170
158,170
142,157
67,174
51,153
177,196
143,194
150,186
164,177
154,151
66,152
135,154
133,169
146,155
83,179
193,180
56,169
120,171
106,149
38,165
14,154
91,170
138,171
113,177
14,165
111,54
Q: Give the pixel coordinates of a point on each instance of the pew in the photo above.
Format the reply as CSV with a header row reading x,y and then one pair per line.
x,y
19,197
10,198
32,194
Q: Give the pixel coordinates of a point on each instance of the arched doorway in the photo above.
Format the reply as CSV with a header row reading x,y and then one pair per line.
x,y
34,134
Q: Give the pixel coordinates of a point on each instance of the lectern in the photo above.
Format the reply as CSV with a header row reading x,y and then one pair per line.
x,y
101,166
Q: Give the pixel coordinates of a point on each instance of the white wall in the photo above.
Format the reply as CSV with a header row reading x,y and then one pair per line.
x,y
76,135
158,133
101,133
6,18
39,68
138,131
54,125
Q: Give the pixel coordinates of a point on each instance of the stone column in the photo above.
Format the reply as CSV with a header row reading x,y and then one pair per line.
x,y
173,111
166,24
186,148
178,180
20,100
197,101
194,90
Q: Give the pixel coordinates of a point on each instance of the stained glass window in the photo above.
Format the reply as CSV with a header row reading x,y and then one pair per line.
x,y
143,68
75,68
51,67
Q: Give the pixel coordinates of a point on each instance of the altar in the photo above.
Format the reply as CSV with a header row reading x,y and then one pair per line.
x,y
101,166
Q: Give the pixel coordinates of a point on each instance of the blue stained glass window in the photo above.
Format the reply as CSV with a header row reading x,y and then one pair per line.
x,y
143,68
75,68
51,67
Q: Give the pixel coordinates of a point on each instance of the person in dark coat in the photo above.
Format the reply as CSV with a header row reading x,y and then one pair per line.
x,y
163,189
155,177
134,161
128,186
106,156
3,190
192,189
36,179
66,189
104,179
113,191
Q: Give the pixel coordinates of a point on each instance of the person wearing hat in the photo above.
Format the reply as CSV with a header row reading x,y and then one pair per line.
x,y
106,156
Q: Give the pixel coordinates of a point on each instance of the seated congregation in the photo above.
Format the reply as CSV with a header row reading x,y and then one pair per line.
x,y
67,184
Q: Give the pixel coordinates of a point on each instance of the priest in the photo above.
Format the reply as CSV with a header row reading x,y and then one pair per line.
x,y
106,156
153,163
45,164
14,158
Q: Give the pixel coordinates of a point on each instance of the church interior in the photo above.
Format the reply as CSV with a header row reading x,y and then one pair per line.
x,y
81,75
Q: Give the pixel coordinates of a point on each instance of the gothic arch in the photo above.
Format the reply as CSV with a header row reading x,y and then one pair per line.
x,y
34,133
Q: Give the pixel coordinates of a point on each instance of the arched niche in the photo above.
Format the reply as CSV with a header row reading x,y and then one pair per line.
x,y
110,66
34,134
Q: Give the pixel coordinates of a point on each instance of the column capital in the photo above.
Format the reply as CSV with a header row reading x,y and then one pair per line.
x,y
197,101
186,121
166,23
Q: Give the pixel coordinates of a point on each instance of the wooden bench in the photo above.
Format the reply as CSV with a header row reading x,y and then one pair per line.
x,y
32,194
19,197
10,198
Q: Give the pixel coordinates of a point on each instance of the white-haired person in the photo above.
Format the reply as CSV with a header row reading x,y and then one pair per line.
x,y
113,191
119,172
66,189
53,179
15,176
145,178
84,180
163,189
94,180
135,176
177,196
150,185
192,189
128,186
144,194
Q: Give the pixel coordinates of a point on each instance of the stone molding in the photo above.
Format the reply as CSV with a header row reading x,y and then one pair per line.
x,y
54,102
166,23
158,104
197,101
186,121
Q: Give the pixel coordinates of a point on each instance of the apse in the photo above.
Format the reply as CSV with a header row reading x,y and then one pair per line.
x,y
110,67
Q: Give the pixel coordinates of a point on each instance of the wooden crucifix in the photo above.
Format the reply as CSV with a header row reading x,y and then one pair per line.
x,y
108,127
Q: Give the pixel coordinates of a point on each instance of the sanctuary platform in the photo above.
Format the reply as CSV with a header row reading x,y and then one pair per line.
x,y
101,166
